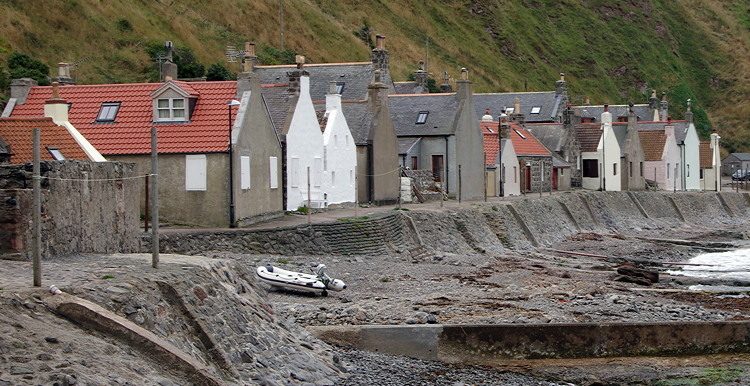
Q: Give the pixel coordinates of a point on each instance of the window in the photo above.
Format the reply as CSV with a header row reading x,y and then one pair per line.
x,y
641,170
510,110
294,171
340,87
57,155
244,172
669,166
422,117
536,109
700,173
614,169
195,172
591,168
630,169
687,167
515,174
170,109
273,163
108,112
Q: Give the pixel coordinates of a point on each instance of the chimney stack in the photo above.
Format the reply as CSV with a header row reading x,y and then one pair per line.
x,y
664,106
249,60
689,112
464,89
380,59
333,99
56,107
606,116
168,68
295,75
504,131
377,91
517,116
487,116
446,87
420,77
63,74
20,89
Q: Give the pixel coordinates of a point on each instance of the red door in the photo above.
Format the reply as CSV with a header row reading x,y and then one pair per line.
x,y
554,178
437,167
528,179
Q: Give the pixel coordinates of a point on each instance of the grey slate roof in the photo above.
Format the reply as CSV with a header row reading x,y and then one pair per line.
x,y
406,144
441,110
404,87
549,134
277,100
358,116
547,101
356,78
621,133
742,156
641,111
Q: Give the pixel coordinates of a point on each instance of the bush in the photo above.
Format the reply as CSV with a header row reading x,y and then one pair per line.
x,y
217,71
23,66
123,25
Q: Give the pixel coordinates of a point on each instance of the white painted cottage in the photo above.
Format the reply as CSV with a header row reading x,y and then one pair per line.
x,y
690,154
339,153
304,149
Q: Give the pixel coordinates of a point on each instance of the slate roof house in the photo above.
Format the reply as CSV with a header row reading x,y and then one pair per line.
x,y
535,107
193,122
503,176
734,162
710,160
450,140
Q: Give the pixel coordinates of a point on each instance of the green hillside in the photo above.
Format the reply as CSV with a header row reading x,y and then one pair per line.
x,y
612,52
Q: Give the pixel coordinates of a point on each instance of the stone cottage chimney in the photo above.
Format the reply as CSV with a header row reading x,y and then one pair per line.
x,y
168,68
504,128
517,116
63,74
377,91
653,106
249,59
632,118
689,112
420,77
56,107
606,115
380,60
296,74
464,89
561,86
487,116
445,86
20,89
664,106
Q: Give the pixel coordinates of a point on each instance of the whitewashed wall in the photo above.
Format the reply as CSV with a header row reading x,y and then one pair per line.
x,y
340,155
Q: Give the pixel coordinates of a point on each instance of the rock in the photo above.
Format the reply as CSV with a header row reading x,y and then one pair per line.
x,y
630,269
20,370
51,339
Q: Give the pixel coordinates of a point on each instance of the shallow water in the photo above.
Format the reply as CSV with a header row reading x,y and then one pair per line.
x,y
728,266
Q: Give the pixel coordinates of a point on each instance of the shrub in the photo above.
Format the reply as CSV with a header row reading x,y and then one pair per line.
x,y
24,66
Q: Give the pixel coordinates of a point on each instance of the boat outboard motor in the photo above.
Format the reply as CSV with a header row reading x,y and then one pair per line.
x,y
331,284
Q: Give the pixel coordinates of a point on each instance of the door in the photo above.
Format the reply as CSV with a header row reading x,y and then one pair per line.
x,y
554,177
527,187
437,167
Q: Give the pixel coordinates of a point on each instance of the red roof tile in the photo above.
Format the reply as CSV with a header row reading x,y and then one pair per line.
x,y
18,133
523,142
652,142
588,136
207,131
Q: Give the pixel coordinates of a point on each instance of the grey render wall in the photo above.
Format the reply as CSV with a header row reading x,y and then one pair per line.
x,y
87,207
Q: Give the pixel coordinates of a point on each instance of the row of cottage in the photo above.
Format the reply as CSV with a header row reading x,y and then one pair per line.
x,y
283,137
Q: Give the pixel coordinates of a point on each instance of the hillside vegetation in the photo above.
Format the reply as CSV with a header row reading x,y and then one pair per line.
x,y
612,52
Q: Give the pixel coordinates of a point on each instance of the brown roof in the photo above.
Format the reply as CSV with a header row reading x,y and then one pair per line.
x,y
18,133
705,154
588,135
652,142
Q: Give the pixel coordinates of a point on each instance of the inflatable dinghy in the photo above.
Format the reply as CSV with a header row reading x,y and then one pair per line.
x,y
317,282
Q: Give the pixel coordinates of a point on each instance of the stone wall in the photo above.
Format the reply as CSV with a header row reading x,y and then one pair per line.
x,y
89,207
486,227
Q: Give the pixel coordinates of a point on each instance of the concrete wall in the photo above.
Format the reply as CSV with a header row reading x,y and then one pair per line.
x,y
93,210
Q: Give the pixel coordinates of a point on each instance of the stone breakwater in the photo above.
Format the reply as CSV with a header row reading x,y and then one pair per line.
x,y
520,224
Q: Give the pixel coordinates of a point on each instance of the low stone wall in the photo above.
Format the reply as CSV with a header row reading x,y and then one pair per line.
x,y
89,207
517,224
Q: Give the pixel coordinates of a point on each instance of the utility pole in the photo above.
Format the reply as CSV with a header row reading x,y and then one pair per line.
x,y
281,24
309,204
155,200
36,177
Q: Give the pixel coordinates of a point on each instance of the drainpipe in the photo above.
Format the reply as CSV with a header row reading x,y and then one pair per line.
x,y
370,174
231,164
683,184
447,168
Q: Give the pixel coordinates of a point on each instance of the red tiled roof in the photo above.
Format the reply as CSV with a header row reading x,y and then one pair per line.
x,y
18,133
588,136
523,142
652,142
705,154
207,131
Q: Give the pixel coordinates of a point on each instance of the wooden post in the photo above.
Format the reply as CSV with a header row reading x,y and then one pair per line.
x,y
309,206
459,184
356,194
36,178
155,200
145,217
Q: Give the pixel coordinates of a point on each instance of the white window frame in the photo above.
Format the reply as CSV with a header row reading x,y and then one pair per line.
x,y
245,172
108,112
536,109
195,172
171,109
273,164
422,117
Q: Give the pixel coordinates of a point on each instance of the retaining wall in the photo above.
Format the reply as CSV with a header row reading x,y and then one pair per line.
x,y
89,207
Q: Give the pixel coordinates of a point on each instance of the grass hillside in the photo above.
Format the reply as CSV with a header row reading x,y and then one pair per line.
x,y
612,52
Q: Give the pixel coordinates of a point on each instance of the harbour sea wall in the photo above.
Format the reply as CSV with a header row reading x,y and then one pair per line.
x,y
520,224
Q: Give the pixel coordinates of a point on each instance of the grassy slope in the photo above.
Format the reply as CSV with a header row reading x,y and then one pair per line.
x,y
610,51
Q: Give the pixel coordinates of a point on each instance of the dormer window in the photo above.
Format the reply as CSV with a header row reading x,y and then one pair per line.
x,y
170,109
510,110
108,112
57,155
536,109
340,87
422,117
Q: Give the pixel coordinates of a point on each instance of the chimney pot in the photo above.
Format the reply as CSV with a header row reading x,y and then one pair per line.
x,y
464,74
55,90
379,42
664,95
606,107
63,70
562,76
250,48
300,60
